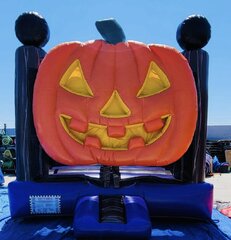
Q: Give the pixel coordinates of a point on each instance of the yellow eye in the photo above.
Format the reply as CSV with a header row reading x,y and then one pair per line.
x,y
155,82
73,81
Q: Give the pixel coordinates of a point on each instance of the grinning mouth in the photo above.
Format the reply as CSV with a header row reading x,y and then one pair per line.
x,y
127,137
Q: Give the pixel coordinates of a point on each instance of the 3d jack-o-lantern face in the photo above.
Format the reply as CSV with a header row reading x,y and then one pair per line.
x,y
122,104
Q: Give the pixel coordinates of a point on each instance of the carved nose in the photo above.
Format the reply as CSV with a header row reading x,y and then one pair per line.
x,y
115,107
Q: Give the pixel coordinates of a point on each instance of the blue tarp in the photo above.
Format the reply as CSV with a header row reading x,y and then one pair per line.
x,y
60,228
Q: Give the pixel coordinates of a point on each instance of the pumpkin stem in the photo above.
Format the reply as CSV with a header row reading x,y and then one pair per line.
x,y
110,30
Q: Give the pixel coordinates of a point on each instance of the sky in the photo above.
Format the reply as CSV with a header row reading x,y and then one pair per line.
x,y
147,21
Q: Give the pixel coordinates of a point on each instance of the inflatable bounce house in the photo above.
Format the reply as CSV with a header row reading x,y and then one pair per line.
x,y
111,132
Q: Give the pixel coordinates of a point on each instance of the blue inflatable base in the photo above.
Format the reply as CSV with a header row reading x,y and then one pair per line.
x,y
28,199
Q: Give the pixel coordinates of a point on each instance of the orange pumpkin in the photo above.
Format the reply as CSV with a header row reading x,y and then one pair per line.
x,y
122,104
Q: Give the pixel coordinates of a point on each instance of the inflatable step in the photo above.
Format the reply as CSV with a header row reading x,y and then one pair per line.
x,y
112,217
112,209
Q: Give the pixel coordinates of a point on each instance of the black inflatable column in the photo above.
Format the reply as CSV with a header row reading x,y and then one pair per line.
x,y
193,34
32,30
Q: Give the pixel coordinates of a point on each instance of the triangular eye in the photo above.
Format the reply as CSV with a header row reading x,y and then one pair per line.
x,y
74,81
155,82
